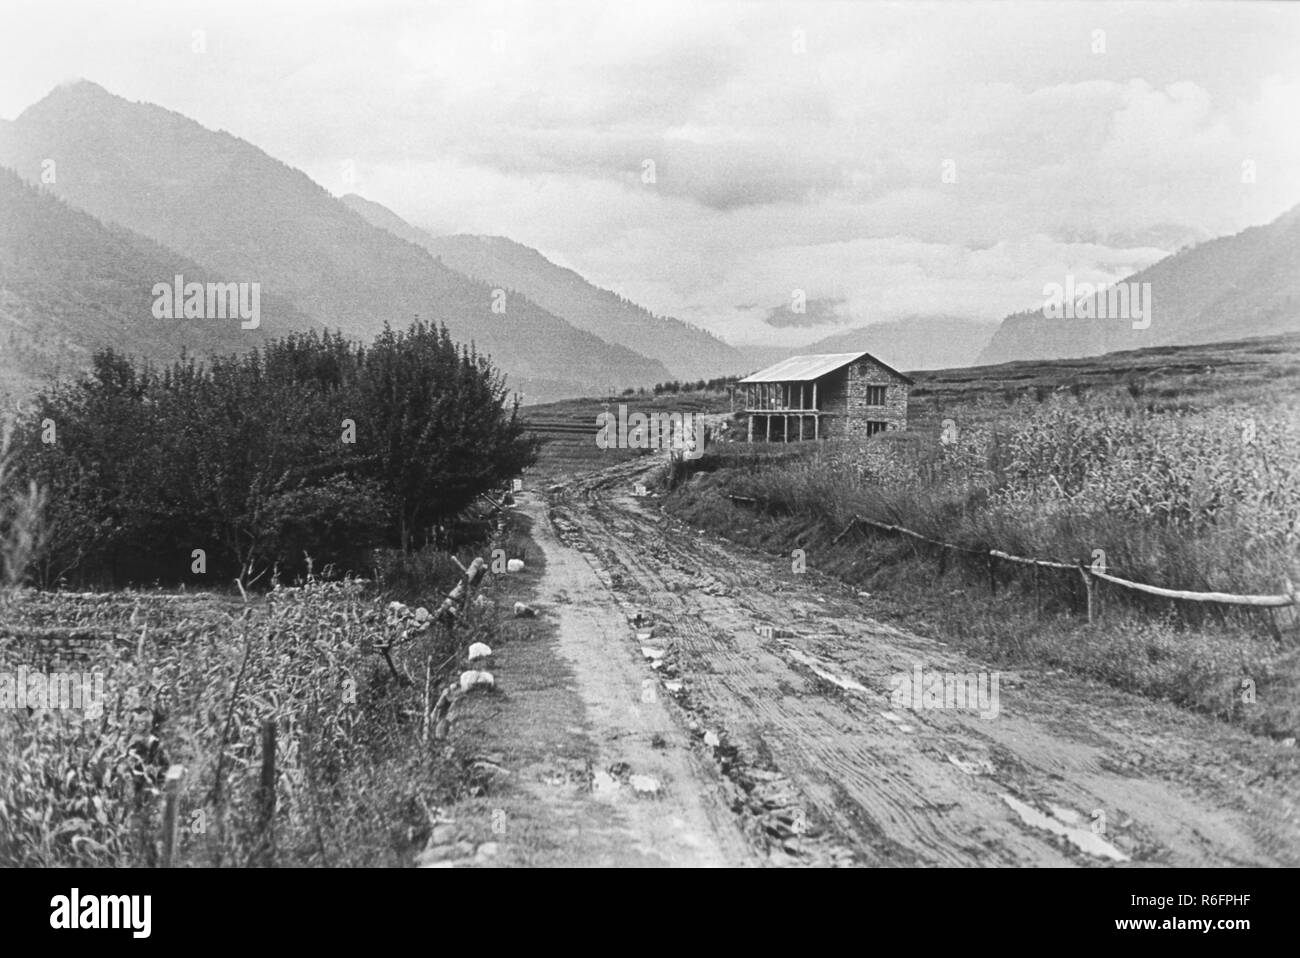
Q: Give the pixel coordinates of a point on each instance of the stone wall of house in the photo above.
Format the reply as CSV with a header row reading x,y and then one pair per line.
x,y
844,397
893,413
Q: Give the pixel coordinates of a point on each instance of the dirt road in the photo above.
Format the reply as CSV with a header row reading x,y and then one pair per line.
x,y
778,698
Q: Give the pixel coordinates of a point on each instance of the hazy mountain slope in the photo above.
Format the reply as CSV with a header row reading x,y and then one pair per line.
x,y
760,357
918,342
1247,284
69,284
248,217
688,352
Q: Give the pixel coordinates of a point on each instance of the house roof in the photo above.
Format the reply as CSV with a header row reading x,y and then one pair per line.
x,y
807,368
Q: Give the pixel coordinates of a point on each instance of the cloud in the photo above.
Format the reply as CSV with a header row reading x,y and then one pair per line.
x,y
795,145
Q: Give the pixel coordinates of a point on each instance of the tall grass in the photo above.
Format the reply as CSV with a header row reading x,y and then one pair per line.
x,y
191,683
1195,500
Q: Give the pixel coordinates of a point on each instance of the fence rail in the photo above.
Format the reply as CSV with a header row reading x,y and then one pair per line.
x,y
1282,600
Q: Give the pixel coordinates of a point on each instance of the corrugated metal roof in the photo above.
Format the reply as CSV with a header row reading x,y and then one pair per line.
x,y
802,368
807,368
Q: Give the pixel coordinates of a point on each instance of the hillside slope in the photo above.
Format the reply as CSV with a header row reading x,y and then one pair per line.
x,y
688,352
70,285
1228,288
224,203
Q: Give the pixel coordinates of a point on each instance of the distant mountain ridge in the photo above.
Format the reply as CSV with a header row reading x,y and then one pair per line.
x,y
1229,288
222,202
688,352
69,285
918,342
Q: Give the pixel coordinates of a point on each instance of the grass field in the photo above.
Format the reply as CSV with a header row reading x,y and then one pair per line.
x,y
568,429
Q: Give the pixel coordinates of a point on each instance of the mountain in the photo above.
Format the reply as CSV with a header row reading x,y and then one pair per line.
x,y
918,342
687,351
69,285
1225,289
760,357
222,202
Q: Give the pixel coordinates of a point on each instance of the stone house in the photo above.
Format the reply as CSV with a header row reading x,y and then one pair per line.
x,y
832,396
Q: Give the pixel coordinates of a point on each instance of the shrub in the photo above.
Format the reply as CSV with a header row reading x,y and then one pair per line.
x,y
311,444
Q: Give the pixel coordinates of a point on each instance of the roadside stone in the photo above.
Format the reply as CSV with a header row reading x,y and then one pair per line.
x,y
472,679
523,611
644,784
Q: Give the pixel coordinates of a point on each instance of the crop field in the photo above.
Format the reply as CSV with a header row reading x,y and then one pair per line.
x,y
194,680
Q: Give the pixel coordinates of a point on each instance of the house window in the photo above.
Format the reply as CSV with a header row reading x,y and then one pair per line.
x,y
874,427
875,395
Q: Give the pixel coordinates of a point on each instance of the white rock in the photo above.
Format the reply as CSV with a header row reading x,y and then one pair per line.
x,y
421,614
479,650
711,739
650,653
604,785
644,784
523,611
472,679
515,565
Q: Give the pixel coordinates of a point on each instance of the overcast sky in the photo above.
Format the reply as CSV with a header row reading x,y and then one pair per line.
x,y
795,145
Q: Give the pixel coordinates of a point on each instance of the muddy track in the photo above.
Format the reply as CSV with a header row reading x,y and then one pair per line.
x,y
783,681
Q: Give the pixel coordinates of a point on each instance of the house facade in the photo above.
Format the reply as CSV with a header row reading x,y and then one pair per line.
x,y
831,396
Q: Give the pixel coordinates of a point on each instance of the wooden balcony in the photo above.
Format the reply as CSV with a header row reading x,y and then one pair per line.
x,y
795,398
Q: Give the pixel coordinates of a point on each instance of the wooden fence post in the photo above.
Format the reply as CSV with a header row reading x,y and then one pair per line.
x,y
172,785
266,794
1088,586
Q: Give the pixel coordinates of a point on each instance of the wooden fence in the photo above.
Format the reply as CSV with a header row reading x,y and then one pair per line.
x,y
1090,574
